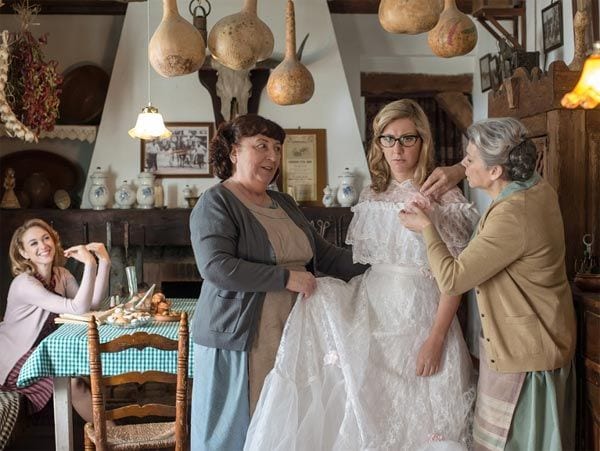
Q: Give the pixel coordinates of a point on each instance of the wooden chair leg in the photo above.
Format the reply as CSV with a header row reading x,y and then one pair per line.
x,y
88,445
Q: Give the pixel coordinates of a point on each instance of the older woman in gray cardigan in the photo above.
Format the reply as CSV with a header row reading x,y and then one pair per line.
x,y
255,251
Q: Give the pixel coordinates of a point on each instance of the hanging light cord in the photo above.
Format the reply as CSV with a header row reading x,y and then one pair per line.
x,y
147,47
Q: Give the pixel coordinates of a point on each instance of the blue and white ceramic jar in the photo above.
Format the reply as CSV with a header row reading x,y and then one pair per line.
x,y
346,195
124,196
145,192
98,194
328,199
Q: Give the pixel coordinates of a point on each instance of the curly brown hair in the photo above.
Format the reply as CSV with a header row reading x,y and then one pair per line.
x,y
230,133
18,263
378,166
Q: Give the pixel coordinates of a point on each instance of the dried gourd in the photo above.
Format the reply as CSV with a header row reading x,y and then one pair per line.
x,y
409,16
455,34
240,40
177,47
290,83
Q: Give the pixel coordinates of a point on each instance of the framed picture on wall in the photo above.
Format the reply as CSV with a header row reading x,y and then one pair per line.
x,y
495,72
303,165
552,26
183,154
484,73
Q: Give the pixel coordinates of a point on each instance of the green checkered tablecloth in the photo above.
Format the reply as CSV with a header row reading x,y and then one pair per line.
x,y
64,353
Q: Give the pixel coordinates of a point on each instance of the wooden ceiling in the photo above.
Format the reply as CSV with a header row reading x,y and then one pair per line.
x,y
106,7
371,6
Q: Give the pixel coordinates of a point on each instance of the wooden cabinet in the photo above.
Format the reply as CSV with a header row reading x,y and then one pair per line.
x,y
331,223
568,143
588,370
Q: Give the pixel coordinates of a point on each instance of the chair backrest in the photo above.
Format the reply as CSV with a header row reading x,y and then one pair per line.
x,y
139,340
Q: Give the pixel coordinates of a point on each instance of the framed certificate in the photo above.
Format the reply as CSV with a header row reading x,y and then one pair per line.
x,y
303,165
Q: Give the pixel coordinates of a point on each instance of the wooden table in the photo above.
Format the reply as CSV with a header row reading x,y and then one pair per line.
x,y
64,354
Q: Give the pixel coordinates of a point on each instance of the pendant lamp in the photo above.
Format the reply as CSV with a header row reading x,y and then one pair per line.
x,y
149,124
587,90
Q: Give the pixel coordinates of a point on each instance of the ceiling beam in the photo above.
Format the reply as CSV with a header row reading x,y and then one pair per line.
x,y
372,6
396,85
89,7
108,7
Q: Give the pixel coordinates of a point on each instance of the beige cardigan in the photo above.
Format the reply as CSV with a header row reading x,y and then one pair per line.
x,y
517,265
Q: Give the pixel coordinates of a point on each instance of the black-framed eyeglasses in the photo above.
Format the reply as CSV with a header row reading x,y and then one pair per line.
x,y
404,140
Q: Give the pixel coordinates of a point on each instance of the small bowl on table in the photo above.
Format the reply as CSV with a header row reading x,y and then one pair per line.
x,y
587,282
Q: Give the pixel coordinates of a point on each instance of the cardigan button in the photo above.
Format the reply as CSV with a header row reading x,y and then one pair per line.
x,y
493,361
487,339
477,291
483,315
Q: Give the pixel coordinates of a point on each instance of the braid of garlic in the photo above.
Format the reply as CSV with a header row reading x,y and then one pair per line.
x,y
14,127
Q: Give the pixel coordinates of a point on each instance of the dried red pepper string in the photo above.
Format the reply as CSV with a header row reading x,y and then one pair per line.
x,y
34,83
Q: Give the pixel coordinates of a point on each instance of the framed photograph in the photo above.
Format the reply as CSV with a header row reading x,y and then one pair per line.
x,y
184,154
495,72
552,26
484,73
303,165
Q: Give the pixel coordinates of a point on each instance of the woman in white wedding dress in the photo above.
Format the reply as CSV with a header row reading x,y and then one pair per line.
x,y
378,363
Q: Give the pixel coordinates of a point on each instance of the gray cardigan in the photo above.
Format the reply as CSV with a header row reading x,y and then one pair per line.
x,y
236,261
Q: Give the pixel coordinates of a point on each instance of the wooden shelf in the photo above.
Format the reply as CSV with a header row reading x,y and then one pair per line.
x,y
73,132
489,17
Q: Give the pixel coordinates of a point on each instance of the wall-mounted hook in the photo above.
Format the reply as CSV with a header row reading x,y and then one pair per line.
x,y
199,13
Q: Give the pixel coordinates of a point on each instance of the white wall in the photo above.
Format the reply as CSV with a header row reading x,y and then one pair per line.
x,y
183,99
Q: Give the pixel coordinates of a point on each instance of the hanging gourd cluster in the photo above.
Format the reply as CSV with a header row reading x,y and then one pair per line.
x,y
451,33
237,41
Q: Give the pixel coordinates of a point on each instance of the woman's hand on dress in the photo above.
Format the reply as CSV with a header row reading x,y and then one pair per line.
x,y
430,354
443,179
302,282
413,218
99,251
80,253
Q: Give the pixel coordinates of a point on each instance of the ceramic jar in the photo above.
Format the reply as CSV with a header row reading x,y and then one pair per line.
x,y
186,193
328,199
125,196
145,191
98,195
346,194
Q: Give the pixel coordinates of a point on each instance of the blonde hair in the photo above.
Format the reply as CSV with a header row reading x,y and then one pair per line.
x,y
18,263
378,166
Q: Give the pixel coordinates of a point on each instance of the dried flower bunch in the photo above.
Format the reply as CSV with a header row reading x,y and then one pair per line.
x,y
33,85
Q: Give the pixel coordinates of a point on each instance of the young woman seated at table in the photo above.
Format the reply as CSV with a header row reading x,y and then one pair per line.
x,y
41,289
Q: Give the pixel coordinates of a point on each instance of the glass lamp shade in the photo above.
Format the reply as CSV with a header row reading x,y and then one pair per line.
x,y
587,90
150,125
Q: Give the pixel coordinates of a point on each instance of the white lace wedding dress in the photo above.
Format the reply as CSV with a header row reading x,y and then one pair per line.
x,y
344,378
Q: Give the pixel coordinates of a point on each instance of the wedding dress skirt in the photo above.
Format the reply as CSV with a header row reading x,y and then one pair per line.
x,y
345,374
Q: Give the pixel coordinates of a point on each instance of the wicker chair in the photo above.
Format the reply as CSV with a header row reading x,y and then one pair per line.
x,y
173,434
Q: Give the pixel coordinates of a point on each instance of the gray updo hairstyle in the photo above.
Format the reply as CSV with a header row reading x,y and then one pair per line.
x,y
503,142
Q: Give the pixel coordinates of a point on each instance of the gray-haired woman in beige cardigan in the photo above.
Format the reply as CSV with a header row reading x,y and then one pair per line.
x,y
516,263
